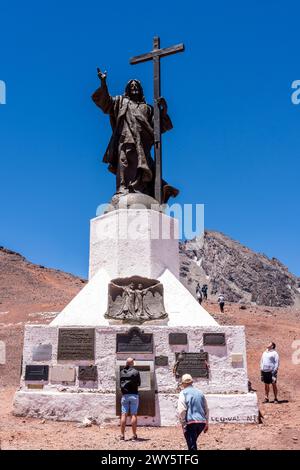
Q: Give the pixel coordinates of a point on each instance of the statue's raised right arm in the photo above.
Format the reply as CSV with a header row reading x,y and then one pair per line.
x,y
101,97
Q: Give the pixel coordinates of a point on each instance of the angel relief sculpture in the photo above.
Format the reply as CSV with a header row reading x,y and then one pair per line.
x,y
135,300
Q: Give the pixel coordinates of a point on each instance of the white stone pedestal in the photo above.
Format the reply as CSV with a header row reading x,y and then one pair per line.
x,y
124,243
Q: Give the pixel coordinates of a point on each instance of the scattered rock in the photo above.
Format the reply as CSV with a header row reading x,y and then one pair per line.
x,y
86,423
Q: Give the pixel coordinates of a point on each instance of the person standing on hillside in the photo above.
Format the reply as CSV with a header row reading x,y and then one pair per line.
x,y
204,291
199,293
269,365
221,302
193,412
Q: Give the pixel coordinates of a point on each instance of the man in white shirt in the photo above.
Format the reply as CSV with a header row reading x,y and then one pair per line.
x,y
269,365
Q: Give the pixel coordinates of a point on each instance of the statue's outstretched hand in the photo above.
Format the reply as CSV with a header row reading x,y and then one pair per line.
x,y
101,75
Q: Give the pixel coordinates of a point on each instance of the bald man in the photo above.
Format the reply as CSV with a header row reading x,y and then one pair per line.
x,y
130,381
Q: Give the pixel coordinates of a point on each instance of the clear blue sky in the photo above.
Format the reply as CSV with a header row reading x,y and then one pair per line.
x,y
235,143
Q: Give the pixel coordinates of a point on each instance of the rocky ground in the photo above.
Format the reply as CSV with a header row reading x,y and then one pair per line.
x,y
280,427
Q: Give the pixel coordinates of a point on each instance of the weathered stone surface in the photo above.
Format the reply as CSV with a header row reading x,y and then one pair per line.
x,y
238,408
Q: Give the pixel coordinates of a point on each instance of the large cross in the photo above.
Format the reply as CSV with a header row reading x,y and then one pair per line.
x,y
155,55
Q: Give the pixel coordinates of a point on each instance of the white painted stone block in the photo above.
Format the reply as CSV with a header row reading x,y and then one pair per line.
x,y
140,242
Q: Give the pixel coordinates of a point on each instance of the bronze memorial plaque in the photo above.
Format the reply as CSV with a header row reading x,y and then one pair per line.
x,y
36,373
177,338
76,344
135,341
88,373
42,352
192,363
214,339
161,361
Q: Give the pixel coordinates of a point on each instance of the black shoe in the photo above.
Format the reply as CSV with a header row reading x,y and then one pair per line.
x,y
276,401
134,438
122,438
266,400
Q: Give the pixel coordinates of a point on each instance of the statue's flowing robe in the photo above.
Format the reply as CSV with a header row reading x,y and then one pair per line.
x,y
131,123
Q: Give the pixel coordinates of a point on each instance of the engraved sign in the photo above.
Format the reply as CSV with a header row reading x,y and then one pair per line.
x,y
62,374
237,360
214,339
135,341
42,352
192,363
177,338
145,380
76,344
161,361
88,373
36,373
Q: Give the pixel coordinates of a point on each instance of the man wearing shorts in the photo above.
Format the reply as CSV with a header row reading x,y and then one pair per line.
x,y
269,366
130,381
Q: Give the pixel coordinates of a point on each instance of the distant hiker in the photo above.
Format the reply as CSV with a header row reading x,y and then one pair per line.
x,y
269,365
199,293
130,381
221,302
193,412
204,291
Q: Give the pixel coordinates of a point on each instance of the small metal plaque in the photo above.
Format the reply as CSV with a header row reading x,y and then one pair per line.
x,y
214,339
177,338
237,360
76,344
36,373
135,341
62,374
161,361
42,352
35,386
192,363
88,373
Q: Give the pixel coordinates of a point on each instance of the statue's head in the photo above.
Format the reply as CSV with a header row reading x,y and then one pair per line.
x,y
134,91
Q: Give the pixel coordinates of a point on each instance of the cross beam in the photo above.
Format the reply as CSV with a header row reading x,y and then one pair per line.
x,y
156,55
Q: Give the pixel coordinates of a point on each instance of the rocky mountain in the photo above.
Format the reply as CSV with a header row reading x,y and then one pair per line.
x,y
26,287
239,273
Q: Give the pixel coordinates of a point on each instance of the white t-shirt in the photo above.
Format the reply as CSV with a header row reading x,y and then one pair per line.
x,y
269,361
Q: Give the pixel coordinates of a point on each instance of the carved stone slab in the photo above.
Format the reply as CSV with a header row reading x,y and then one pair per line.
x,y
76,344
62,374
42,352
214,339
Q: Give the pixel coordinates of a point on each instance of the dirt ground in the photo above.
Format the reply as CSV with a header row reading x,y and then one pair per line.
x,y
280,427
